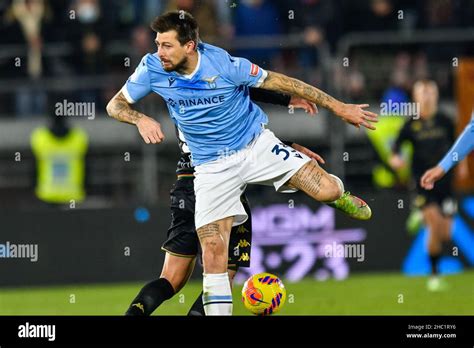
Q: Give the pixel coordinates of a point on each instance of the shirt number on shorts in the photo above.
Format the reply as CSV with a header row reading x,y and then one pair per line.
x,y
277,150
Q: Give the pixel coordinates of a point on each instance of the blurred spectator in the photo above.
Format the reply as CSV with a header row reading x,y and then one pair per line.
x,y
382,16
142,42
88,11
224,13
60,162
97,32
355,86
400,81
351,82
253,18
29,15
395,96
318,20
24,25
128,14
88,33
420,67
439,13
318,23
205,14
379,15
152,9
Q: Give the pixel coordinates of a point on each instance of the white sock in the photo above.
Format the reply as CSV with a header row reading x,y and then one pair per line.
x,y
217,294
339,182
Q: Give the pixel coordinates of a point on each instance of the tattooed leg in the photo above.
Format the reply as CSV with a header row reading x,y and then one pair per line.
x,y
326,188
214,239
316,182
216,290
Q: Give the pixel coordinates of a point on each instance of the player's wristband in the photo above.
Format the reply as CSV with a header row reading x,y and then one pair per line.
x,y
287,143
271,97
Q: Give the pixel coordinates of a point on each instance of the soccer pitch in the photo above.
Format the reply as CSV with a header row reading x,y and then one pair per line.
x,y
364,294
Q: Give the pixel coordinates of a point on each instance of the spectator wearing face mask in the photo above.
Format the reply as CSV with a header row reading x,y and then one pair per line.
x,y
88,34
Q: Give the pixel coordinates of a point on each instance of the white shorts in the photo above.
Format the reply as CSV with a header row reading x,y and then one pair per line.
x,y
219,184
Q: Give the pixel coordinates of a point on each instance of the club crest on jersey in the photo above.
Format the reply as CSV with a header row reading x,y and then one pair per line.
x,y
254,70
211,81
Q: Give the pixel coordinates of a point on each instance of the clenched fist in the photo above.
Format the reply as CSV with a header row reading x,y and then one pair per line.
x,y
150,130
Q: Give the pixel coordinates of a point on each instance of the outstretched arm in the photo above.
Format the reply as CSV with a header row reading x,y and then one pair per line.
x,y
461,148
351,113
150,130
276,98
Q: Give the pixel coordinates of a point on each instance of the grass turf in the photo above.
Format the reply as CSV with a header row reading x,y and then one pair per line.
x,y
363,294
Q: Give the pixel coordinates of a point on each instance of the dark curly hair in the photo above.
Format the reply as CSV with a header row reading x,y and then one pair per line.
x,y
180,21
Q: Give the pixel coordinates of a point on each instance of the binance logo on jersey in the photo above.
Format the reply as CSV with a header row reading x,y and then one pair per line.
x,y
217,99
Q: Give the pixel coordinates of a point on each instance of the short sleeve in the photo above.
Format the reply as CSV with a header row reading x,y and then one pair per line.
x,y
138,84
241,71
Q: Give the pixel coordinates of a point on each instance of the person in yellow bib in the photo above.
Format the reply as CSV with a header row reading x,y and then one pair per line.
x,y
60,162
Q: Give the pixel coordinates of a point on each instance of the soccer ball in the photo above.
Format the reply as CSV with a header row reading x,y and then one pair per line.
x,y
263,294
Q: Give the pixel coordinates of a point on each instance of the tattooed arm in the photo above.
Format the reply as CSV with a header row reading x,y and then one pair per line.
x,y
351,113
120,109
150,130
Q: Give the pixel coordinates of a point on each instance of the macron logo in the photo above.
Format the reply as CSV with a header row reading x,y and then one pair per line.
x,y
37,331
171,80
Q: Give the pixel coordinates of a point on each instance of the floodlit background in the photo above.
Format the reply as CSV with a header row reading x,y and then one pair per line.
x,y
92,254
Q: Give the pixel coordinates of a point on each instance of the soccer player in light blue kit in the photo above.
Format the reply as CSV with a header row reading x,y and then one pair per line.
x,y
462,147
207,95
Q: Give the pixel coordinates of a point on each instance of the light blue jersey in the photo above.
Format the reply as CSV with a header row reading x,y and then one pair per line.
x,y
211,107
462,147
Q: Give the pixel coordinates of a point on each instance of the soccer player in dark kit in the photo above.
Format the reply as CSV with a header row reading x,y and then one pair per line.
x,y
431,134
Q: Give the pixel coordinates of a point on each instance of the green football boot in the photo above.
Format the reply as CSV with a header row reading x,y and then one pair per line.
x,y
352,206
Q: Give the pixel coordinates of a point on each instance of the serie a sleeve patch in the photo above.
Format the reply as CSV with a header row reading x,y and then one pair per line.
x,y
254,70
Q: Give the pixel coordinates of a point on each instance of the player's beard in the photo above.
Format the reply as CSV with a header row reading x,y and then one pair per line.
x,y
179,67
